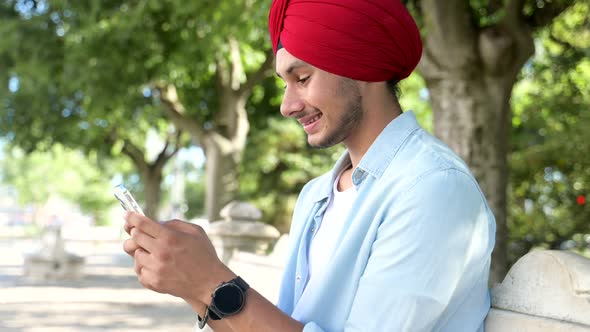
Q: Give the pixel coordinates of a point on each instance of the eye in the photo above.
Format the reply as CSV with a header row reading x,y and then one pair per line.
x,y
303,80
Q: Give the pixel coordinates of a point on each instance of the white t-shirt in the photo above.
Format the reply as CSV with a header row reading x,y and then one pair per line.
x,y
324,242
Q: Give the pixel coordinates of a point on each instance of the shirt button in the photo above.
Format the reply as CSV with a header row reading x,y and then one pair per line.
x,y
298,278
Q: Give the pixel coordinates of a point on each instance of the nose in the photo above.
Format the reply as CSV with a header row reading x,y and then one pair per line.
x,y
292,103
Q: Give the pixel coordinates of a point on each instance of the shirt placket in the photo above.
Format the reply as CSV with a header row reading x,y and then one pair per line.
x,y
302,271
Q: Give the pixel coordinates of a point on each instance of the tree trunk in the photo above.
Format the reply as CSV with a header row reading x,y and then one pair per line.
x,y
470,72
224,149
151,172
473,117
221,171
153,194
224,144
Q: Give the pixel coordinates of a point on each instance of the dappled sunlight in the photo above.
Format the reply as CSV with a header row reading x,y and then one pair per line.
x,y
107,297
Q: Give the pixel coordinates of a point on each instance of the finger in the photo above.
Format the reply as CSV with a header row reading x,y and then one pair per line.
x,y
148,280
127,227
143,260
137,267
129,246
143,241
144,224
142,268
184,227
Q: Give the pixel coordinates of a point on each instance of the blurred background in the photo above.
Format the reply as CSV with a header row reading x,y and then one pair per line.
x,y
178,101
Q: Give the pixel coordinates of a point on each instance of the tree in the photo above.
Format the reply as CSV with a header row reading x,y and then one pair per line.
x,y
235,68
57,94
550,177
198,61
473,53
70,174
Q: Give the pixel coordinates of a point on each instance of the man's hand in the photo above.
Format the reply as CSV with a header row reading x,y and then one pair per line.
x,y
174,257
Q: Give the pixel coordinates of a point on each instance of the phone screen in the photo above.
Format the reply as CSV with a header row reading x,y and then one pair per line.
x,y
126,199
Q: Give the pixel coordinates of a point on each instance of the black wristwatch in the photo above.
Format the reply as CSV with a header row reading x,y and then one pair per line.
x,y
228,299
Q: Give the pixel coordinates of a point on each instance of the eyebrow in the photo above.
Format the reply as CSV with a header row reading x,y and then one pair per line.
x,y
293,66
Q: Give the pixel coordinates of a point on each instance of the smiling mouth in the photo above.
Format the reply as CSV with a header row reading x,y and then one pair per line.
x,y
309,121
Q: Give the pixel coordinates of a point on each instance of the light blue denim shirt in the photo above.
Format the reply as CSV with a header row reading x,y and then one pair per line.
x,y
415,251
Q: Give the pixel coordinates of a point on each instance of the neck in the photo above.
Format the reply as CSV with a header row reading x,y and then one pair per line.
x,y
379,111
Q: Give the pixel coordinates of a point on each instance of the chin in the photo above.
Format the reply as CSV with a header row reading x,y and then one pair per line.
x,y
314,143
320,144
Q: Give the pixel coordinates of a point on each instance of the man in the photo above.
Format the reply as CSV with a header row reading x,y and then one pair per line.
x,y
397,237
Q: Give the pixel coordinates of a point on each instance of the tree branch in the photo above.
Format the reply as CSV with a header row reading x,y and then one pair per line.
x,y
164,156
450,33
222,78
175,110
235,63
136,155
263,71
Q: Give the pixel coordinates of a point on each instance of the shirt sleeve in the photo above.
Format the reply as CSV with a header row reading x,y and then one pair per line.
x,y
432,247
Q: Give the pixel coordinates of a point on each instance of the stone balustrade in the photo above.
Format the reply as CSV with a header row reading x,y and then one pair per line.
x,y
241,230
544,291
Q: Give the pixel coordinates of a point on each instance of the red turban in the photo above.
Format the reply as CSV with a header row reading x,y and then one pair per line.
x,y
366,40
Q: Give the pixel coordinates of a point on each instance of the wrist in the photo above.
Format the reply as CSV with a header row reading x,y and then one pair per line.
x,y
198,307
220,275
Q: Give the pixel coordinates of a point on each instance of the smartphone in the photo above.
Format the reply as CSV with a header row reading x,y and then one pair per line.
x,y
126,199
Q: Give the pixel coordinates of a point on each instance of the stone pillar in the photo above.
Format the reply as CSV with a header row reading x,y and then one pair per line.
x,y
241,230
544,291
52,262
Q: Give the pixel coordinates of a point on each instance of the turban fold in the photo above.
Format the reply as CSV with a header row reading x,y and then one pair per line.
x,y
366,40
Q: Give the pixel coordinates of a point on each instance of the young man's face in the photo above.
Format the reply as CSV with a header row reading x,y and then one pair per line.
x,y
328,106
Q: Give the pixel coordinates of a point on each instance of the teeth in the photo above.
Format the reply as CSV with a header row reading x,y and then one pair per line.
x,y
314,119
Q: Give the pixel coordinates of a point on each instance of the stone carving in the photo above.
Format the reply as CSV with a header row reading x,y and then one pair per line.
x,y
545,290
241,230
52,262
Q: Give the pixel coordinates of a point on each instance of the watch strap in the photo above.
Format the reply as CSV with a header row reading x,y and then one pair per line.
x,y
201,322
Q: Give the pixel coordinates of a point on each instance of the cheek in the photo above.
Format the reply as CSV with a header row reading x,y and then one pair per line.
x,y
319,97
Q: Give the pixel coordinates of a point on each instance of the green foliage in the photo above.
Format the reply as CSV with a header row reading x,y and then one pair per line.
x,y
60,171
195,194
550,166
75,72
416,98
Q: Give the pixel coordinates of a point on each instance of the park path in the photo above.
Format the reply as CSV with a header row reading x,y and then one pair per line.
x,y
108,298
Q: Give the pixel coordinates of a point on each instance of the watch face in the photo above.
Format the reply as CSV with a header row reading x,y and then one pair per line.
x,y
229,299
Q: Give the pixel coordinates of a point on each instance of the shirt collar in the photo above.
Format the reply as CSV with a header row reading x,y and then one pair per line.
x,y
375,160
384,149
323,190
